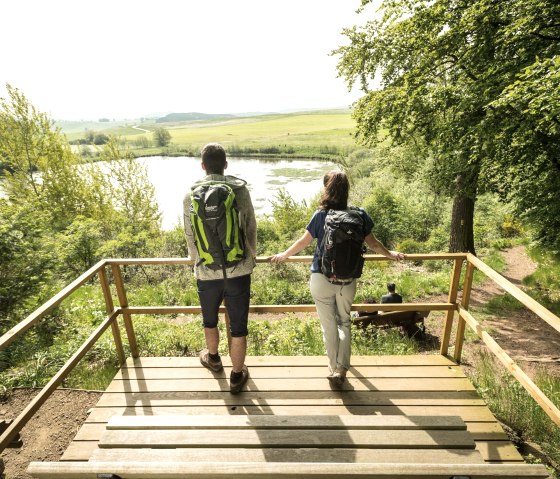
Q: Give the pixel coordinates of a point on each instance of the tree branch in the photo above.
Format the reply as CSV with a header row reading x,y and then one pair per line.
x,y
471,75
545,37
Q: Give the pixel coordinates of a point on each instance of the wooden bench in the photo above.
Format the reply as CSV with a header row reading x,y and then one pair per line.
x,y
274,447
408,320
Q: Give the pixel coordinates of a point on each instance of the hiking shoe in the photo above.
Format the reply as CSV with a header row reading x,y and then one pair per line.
x,y
338,377
207,362
235,387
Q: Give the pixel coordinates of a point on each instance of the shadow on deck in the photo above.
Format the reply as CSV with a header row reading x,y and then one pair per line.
x,y
392,409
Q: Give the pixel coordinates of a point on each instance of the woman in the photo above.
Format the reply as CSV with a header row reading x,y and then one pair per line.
x,y
333,299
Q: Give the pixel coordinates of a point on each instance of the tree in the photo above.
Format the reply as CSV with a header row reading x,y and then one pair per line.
x,y
162,137
25,262
527,169
100,139
41,169
442,65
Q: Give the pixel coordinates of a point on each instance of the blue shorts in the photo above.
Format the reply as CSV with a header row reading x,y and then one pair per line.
x,y
236,292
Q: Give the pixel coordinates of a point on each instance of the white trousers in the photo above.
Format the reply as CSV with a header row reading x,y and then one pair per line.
x,y
333,304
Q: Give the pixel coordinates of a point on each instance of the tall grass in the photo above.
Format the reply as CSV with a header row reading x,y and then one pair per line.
x,y
509,401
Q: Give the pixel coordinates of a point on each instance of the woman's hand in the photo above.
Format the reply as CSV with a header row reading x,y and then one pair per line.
x,y
278,258
397,256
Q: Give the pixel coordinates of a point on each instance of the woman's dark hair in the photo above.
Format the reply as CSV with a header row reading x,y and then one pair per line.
x,y
335,194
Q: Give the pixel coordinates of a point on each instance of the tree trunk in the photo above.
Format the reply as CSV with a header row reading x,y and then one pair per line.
x,y
462,219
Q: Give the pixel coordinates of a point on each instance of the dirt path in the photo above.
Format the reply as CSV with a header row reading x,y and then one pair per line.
x,y
47,435
529,340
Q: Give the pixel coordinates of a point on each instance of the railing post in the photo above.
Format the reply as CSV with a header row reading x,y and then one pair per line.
x,y
110,309
465,299
127,317
453,289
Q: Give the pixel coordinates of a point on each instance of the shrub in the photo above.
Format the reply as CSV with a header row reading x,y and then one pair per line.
x,y
100,139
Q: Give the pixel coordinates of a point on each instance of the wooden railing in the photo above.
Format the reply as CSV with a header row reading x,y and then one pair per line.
x,y
127,311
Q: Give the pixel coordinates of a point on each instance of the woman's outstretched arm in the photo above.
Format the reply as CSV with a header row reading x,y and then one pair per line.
x,y
378,247
299,245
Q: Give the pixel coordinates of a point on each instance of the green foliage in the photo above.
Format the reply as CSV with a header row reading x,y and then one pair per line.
x,y
78,245
290,217
401,207
281,284
131,191
503,304
42,170
100,139
268,237
528,165
289,336
512,404
477,82
544,283
381,342
25,262
162,137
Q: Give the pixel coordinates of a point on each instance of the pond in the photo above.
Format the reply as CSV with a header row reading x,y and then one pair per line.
x,y
173,176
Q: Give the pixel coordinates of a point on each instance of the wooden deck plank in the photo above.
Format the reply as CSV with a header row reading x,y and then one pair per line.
x,y
275,470
468,413
345,421
294,384
419,456
306,361
79,451
220,438
423,385
479,431
486,431
498,451
490,452
213,398
292,371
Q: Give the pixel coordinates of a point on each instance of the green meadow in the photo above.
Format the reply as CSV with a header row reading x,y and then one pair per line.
x,y
324,134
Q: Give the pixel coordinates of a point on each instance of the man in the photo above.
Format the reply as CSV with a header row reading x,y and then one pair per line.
x,y
391,297
232,283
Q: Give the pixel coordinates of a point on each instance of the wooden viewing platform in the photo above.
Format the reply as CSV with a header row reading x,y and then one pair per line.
x,y
406,416
395,417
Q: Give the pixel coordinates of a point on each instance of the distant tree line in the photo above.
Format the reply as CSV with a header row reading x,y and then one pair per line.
x,y
91,138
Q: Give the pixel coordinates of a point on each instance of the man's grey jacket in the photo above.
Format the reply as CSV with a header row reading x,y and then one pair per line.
x,y
247,223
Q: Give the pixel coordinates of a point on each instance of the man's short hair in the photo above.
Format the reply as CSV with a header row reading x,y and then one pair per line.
x,y
391,287
214,158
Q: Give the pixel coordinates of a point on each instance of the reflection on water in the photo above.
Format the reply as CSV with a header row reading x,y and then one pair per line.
x,y
173,176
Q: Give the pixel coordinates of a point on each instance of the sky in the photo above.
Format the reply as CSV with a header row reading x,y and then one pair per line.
x,y
124,59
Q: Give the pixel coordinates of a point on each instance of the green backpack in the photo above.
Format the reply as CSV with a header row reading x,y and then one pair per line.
x,y
215,223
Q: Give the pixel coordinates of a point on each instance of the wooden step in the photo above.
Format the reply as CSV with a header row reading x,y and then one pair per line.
x,y
386,439
280,470
293,384
349,455
283,361
283,372
287,422
487,431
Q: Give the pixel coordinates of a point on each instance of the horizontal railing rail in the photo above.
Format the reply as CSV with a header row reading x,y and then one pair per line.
x,y
465,317
47,307
517,293
292,308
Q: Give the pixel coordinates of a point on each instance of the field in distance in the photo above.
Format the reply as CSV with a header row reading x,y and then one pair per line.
x,y
325,131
